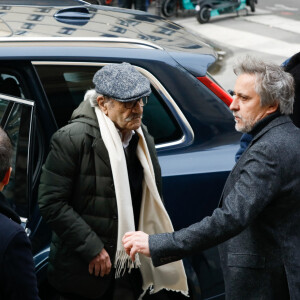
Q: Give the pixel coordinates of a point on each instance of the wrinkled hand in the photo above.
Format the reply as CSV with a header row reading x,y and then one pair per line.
x,y
101,264
136,242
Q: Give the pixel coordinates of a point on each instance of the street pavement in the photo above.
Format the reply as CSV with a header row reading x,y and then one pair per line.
x,y
271,33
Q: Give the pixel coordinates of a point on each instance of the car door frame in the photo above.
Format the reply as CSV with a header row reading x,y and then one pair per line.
x,y
30,140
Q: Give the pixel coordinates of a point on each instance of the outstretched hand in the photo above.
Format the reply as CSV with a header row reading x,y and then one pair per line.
x,y
136,242
101,264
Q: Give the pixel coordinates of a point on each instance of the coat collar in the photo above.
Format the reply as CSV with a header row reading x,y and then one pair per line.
x,y
85,111
265,126
281,119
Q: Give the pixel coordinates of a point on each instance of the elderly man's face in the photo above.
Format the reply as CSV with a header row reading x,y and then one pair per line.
x,y
246,107
125,119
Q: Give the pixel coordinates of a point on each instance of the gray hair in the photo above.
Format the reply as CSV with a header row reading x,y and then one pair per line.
x,y
272,83
92,95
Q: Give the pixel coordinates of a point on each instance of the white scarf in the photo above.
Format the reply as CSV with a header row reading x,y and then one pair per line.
x,y
153,216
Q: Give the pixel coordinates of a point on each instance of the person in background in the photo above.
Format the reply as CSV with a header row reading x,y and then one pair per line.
x,y
257,222
17,275
292,66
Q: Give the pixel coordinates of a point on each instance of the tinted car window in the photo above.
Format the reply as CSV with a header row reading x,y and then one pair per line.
x,y
10,85
160,122
16,122
65,87
3,109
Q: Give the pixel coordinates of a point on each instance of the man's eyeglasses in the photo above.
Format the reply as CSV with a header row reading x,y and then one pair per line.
x,y
131,104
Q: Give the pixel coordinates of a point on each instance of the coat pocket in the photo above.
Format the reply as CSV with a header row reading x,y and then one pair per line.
x,y
246,261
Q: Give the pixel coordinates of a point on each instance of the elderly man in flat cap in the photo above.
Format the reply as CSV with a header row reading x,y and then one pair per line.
x,y
100,180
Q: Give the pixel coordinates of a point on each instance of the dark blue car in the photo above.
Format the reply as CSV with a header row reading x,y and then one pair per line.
x,y
48,56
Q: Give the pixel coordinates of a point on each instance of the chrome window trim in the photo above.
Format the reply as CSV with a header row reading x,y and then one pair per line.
x,y
17,100
126,42
41,257
188,133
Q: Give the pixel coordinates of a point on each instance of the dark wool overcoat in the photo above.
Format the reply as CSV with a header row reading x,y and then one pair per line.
x,y
17,275
77,198
258,221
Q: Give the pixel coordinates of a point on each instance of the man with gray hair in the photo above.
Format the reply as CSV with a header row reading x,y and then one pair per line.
x,y
100,180
257,222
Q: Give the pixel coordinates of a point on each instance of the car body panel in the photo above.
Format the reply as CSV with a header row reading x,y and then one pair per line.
x,y
111,22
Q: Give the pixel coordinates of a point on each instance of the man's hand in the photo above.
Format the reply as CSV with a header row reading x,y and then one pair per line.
x,y
101,264
136,242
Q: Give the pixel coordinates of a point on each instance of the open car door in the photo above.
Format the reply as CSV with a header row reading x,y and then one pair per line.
x,y
17,119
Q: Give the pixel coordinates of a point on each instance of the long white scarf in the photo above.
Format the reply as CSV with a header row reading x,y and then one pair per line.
x,y
153,216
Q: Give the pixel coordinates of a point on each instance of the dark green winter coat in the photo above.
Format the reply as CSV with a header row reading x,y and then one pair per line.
x,y
77,198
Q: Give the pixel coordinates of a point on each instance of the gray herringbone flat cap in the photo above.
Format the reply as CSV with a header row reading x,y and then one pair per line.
x,y
121,82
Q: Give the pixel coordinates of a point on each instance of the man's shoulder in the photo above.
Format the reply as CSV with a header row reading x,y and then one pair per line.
x,y
281,141
9,229
284,130
281,128
9,224
77,128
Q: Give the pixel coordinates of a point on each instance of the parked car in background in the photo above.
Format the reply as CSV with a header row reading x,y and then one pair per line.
x,y
48,56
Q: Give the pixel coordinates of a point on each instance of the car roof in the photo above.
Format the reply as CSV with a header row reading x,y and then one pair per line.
x,y
43,2
80,20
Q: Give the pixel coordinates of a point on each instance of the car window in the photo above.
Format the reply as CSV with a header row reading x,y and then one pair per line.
x,y
10,117
159,121
16,121
3,109
65,87
9,85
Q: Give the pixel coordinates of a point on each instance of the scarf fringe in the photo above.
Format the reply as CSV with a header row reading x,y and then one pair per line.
x,y
184,293
123,262
151,291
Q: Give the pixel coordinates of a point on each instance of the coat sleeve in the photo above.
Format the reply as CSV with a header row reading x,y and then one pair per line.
x,y
19,280
257,184
55,192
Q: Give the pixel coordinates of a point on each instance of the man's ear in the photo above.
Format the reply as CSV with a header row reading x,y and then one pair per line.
x,y
272,108
102,104
5,180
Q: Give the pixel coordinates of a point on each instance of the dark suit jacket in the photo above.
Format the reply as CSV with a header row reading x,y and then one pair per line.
x,y
17,276
258,221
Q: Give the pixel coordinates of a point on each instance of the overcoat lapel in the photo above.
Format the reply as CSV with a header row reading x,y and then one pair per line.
x,y
101,151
